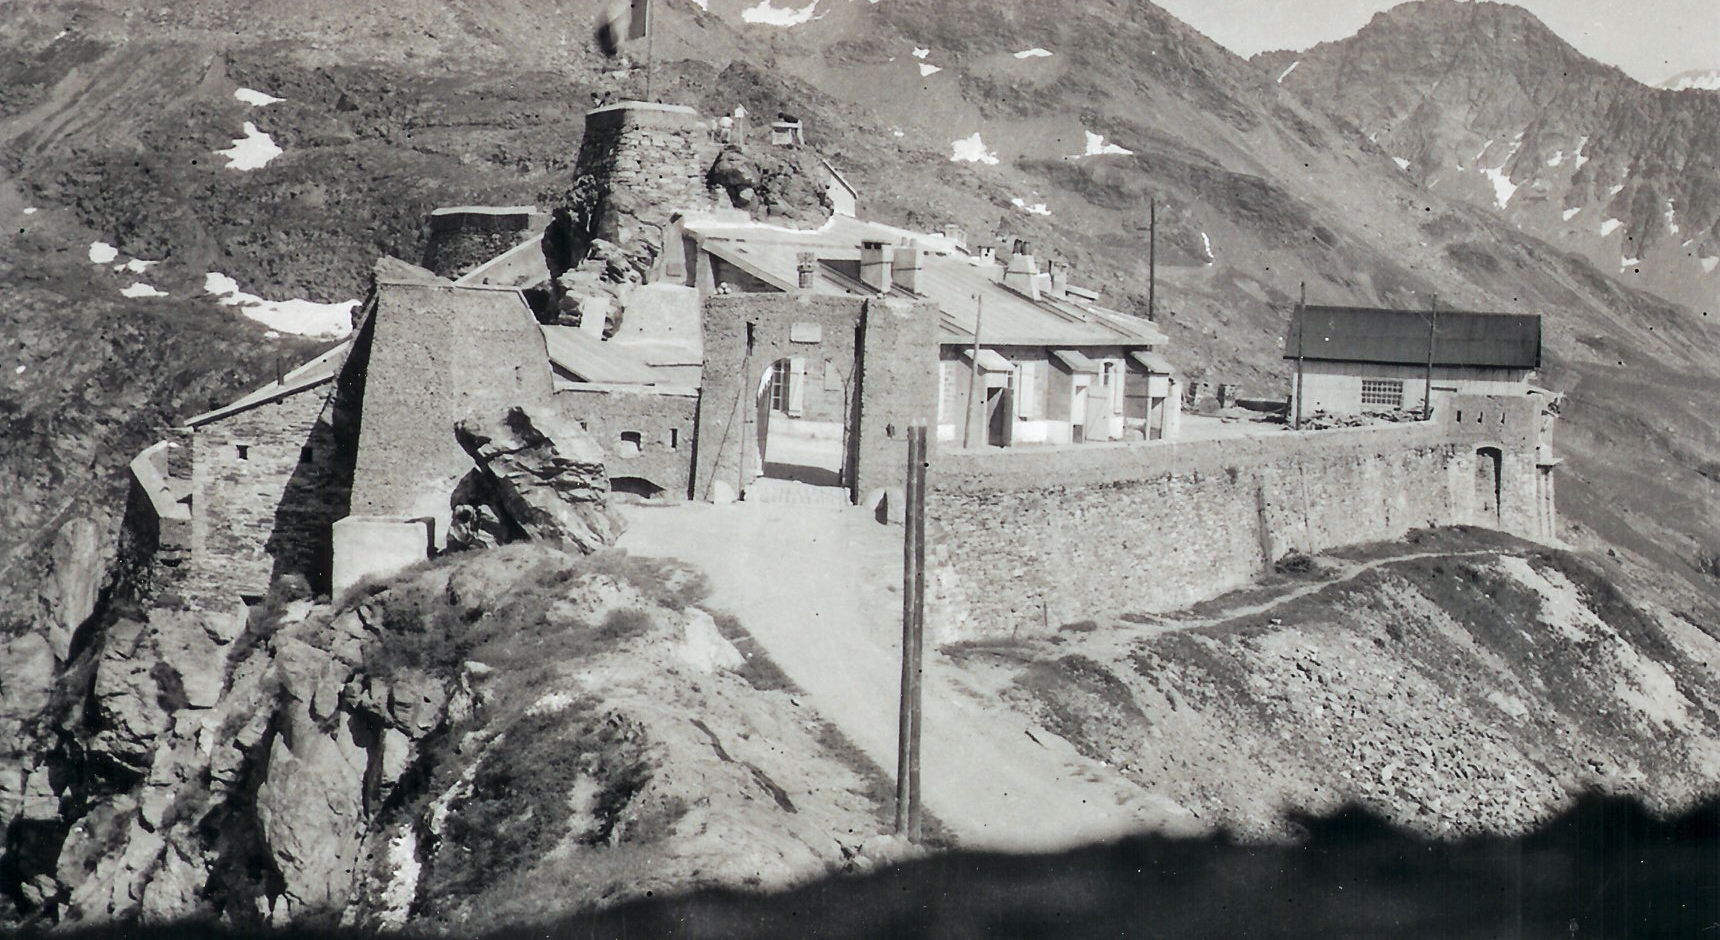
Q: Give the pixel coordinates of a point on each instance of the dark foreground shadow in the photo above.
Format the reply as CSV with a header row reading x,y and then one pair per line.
x,y
802,473
1605,869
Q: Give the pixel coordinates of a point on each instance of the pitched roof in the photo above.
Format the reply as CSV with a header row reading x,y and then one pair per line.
x,y
1400,337
948,276
313,373
590,358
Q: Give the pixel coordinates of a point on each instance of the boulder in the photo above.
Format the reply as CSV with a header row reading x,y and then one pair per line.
x,y
548,475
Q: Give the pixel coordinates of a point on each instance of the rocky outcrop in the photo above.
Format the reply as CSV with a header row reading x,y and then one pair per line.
x,y
521,710
548,476
782,183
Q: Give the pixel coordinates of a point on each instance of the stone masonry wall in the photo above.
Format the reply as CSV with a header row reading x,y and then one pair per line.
x,y
265,490
1030,539
439,353
896,357
637,163
663,421
461,240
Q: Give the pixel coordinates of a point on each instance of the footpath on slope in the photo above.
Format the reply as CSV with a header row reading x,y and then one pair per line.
x,y
819,588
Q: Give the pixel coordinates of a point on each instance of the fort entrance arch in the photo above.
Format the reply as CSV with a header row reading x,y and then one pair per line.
x,y
818,389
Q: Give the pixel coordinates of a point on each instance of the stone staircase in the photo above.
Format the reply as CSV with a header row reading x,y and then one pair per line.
x,y
794,493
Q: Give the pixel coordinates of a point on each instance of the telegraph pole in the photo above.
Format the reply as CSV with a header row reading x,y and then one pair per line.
x,y
1427,387
1152,258
908,812
973,377
1301,329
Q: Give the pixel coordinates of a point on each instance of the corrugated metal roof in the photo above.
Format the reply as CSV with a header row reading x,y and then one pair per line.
x,y
1075,361
1400,337
585,356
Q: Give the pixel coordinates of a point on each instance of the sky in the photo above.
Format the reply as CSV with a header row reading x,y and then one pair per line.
x,y
1651,40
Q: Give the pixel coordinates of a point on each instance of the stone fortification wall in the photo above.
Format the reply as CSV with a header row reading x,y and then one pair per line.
x,y
266,487
646,433
1035,538
439,353
637,163
889,343
464,238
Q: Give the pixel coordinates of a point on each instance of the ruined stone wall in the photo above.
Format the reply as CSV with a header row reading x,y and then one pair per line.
x,y
439,353
265,489
463,239
660,422
1032,539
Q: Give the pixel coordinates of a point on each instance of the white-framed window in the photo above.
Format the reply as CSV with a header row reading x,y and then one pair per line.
x,y
1385,392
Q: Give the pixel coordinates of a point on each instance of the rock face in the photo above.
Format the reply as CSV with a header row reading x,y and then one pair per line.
x,y
514,717
549,480
1459,95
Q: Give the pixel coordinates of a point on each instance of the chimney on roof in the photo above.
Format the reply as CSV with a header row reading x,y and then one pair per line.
x,y
957,235
905,266
1022,274
875,266
806,266
1059,278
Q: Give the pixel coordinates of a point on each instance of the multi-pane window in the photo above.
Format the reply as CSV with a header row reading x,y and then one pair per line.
x,y
1387,392
779,385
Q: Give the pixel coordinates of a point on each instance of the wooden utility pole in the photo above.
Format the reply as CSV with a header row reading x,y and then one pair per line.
x,y
1152,258
1301,329
908,815
973,377
1427,387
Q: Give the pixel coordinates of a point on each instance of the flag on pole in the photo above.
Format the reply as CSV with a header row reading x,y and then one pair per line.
x,y
620,21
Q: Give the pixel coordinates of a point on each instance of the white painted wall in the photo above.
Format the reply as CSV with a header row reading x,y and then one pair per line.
x,y
1336,387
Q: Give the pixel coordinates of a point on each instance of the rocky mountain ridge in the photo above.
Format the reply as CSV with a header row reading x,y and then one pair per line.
x,y
1482,102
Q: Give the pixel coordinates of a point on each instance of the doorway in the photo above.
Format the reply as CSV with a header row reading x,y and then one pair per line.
x,y
800,433
1488,467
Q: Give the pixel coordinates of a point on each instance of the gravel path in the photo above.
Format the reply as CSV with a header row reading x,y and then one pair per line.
x,y
820,589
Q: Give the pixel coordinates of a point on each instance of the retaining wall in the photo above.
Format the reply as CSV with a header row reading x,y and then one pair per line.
x,y
1028,540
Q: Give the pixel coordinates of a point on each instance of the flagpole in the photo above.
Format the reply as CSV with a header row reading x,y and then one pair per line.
x,y
650,48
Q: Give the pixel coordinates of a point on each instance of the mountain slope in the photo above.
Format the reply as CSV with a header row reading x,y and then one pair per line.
x,y
1480,101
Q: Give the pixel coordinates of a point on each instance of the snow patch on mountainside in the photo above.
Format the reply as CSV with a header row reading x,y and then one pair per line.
x,y
1708,264
1037,208
768,15
1503,188
102,252
1700,79
1402,163
972,150
303,317
1609,226
1286,73
1098,147
252,152
1034,53
926,69
141,289
1570,214
252,96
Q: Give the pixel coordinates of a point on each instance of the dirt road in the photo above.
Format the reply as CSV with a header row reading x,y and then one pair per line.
x,y
820,590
